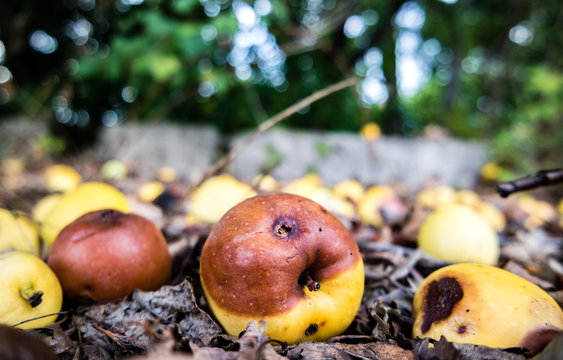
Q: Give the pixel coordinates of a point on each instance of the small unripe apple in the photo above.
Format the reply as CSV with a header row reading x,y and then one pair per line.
x,y
485,305
86,197
456,233
286,260
104,255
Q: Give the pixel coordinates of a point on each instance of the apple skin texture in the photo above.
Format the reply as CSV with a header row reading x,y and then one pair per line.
x,y
485,305
22,275
255,261
104,255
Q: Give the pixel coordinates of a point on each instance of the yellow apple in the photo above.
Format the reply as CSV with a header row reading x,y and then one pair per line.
x,y
215,196
44,206
18,232
435,197
485,305
351,190
456,233
86,197
379,200
150,191
61,178
285,260
28,289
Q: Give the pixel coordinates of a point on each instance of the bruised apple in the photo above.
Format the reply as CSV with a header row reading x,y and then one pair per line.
x,y
104,255
485,305
285,260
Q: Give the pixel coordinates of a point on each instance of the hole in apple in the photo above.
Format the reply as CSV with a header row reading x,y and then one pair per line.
x,y
283,230
285,227
311,329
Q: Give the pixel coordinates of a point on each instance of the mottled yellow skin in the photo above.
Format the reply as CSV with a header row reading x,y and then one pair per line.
x,y
332,309
23,273
86,197
456,233
18,232
497,309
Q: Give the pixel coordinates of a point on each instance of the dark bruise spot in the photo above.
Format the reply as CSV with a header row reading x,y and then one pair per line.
x,y
285,227
538,338
320,229
462,329
441,297
311,329
36,299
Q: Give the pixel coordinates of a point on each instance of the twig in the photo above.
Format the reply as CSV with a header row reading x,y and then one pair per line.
x,y
37,318
271,122
541,178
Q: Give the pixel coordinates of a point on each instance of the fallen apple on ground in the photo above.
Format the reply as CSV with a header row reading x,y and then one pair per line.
x,y
285,260
61,178
18,232
28,289
213,198
104,255
86,197
456,233
485,305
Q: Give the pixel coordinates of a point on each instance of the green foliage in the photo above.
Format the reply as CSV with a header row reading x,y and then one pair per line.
x,y
173,60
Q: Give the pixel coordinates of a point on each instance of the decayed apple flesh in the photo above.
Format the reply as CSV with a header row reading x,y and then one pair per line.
x,y
287,261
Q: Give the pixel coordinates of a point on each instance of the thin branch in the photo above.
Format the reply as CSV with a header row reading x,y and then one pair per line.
x,y
271,122
541,178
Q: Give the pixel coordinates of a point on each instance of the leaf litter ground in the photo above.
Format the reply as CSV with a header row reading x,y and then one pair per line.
x,y
174,323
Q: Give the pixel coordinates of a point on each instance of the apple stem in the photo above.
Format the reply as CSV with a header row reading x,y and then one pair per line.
x,y
311,284
33,297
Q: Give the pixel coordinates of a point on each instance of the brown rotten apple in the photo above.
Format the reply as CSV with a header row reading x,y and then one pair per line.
x,y
105,254
283,259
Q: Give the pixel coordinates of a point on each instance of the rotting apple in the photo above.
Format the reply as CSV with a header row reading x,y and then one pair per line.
x,y
484,305
28,290
105,254
456,233
89,196
285,260
18,232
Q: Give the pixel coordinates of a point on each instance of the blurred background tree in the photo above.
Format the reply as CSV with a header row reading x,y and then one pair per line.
x,y
491,71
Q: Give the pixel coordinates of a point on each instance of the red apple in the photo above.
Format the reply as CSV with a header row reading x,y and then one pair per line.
x,y
105,254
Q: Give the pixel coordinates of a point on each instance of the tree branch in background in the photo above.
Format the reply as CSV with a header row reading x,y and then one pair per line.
x,y
541,178
271,122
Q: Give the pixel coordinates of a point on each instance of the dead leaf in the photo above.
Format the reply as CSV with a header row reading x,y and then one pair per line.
x,y
341,351
125,327
445,350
